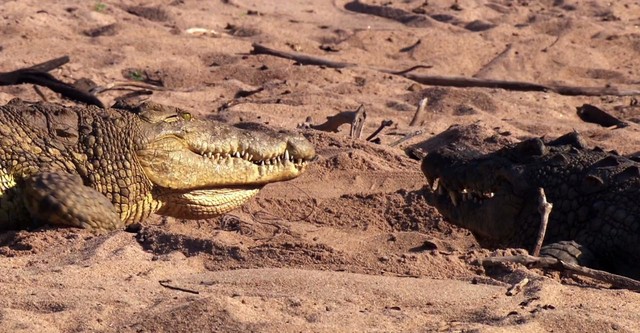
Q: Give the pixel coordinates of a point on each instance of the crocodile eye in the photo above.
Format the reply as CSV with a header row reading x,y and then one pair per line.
x,y
186,116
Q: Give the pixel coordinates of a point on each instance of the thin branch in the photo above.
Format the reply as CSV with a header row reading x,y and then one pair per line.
x,y
466,82
165,283
37,74
422,105
133,94
407,137
615,280
517,288
493,61
40,93
395,14
358,122
125,86
302,59
383,124
355,118
404,71
50,65
544,208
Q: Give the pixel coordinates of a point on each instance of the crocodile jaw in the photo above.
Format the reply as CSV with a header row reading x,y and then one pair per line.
x,y
201,169
169,164
489,206
201,204
210,155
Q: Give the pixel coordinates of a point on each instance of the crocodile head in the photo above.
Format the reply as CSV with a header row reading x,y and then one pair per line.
x,y
488,194
494,194
202,168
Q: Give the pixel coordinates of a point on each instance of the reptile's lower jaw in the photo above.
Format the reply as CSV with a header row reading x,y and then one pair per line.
x,y
204,203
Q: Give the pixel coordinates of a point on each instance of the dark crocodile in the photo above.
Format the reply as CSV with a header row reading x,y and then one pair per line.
x,y
595,220
108,168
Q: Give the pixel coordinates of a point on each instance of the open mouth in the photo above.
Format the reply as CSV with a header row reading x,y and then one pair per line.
x,y
457,196
276,159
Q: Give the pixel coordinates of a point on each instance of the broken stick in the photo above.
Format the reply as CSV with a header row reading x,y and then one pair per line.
x,y
615,280
517,288
407,137
165,283
355,118
302,59
544,208
37,74
419,111
383,124
358,122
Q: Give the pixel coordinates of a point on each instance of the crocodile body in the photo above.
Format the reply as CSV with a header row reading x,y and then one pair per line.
x,y
108,168
595,220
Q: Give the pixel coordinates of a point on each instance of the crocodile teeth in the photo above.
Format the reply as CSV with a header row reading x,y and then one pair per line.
x,y
435,184
286,155
236,154
454,198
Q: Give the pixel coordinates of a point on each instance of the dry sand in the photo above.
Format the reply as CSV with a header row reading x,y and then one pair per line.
x,y
350,246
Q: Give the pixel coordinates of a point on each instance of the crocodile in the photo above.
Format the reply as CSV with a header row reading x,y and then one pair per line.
x,y
595,219
106,169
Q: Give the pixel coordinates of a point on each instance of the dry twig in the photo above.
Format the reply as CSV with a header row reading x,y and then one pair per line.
x,y
302,59
422,105
383,124
125,86
615,280
407,137
165,283
544,208
396,14
487,67
355,118
40,93
466,82
517,288
38,75
358,122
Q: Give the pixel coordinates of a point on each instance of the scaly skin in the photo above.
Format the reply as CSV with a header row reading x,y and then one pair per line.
x,y
105,169
595,220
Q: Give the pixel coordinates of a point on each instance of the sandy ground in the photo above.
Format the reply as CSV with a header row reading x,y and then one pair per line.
x,y
350,246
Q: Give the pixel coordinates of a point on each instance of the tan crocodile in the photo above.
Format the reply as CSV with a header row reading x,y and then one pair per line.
x,y
96,168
